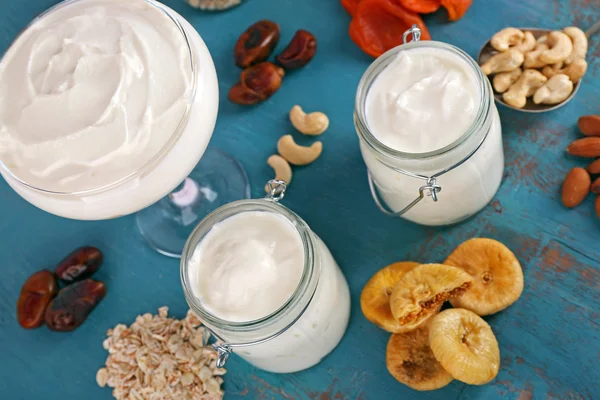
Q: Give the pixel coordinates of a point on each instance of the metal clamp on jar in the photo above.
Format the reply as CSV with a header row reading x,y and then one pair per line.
x,y
468,166
304,328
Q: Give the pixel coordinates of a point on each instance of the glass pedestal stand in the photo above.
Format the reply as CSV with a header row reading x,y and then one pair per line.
x,y
218,179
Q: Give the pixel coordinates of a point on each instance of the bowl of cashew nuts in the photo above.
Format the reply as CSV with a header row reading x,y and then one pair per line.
x,y
536,70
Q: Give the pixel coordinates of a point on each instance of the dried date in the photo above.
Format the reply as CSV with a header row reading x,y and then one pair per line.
x,y
73,304
299,52
37,292
257,84
256,44
80,264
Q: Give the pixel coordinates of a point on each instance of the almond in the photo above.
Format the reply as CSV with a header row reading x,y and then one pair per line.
x,y
576,187
597,206
589,125
594,168
595,188
586,147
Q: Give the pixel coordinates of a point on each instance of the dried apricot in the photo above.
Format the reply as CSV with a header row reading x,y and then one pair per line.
x,y
421,6
378,25
456,8
350,6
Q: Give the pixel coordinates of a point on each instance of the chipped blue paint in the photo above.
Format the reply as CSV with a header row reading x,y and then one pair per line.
x,y
549,339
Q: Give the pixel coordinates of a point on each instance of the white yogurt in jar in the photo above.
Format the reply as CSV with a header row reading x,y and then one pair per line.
x,y
247,267
243,258
96,92
423,103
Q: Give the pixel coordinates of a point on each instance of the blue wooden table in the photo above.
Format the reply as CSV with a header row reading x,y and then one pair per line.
x,y
549,340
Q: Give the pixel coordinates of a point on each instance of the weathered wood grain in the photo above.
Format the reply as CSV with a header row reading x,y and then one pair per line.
x,y
550,339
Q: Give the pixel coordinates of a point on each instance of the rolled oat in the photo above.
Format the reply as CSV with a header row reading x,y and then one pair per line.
x,y
161,358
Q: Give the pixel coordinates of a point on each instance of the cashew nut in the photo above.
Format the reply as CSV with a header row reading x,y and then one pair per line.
x,y
517,94
528,43
541,40
296,154
575,71
560,48
502,62
314,123
504,80
550,70
580,44
532,59
507,38
283,171
557,89
531,91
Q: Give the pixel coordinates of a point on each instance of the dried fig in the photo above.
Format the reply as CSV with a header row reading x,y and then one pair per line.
x,y
497,275
375,296
465,346
419,294
410,360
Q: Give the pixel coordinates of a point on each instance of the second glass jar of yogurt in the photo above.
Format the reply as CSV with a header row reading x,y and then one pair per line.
x,y
266,286
429,133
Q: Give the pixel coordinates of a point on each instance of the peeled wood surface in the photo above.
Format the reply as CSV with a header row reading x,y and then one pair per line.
x,y
549,340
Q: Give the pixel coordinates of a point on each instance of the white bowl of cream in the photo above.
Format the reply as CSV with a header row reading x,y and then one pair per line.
x,y
105,107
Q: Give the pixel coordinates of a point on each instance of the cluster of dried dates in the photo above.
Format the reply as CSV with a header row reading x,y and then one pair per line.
x,y
260,78
65,309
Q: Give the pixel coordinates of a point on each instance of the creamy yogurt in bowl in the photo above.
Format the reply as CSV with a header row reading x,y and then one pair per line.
x,y
105,107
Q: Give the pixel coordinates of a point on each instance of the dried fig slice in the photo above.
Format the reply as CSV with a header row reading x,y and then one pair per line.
x,y
375,296
410,360
497,275
419,294
465,346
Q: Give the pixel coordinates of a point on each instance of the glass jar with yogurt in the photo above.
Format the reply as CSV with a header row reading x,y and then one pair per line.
x,y
429,133
266,286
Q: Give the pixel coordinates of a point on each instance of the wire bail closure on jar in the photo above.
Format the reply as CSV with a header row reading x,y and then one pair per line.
x,y
415,32
277,189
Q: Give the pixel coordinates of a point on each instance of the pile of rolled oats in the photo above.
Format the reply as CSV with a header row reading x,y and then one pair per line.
x,y
161,358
